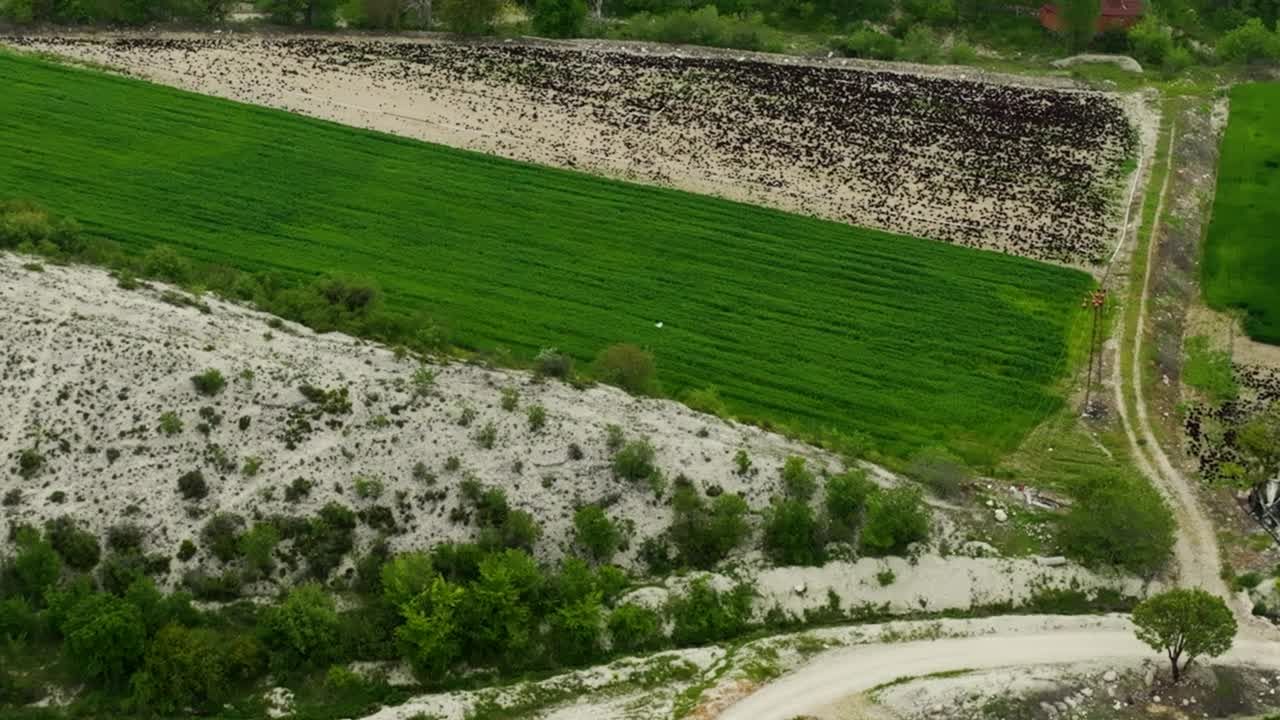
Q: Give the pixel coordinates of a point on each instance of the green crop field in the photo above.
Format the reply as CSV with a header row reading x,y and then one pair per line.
x,y
811,324
1242,253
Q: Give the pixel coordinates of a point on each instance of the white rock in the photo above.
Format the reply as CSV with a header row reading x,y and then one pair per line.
x,y
1001,515
1110,676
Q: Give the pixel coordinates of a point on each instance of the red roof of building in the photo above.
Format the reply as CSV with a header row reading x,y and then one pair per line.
x,y
1121,8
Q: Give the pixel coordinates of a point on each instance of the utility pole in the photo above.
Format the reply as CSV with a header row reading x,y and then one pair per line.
x,y
1095,301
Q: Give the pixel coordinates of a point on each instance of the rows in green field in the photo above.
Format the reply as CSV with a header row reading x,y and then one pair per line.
x,y
797,321
1242,250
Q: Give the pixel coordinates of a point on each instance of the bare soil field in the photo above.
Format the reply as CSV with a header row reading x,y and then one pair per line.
x,y
1026,169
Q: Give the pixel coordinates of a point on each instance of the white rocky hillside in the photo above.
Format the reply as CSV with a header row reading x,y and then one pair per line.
x,y
89,370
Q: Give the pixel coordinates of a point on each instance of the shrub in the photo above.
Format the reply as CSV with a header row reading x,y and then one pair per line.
x,y
170,423
537,417
368,488
962,54
798,482
24,223
1151,40
486,436
326,539
302,630
792,536
704,536
635,461
209,383
613,437
186,550
104,637
742,462
34,569
120,570
704,615
559,18
193,486
895,518
596,533
252,464
165,263
78,548
470,17
125,538
30,463
846,496
222,587
627,367
1250,42
298,489
257,545
707,401
510,399
940,471
633,629
193,668
871,44
424,381
221,535
920,46
551,363
1120,523
431,635
17,620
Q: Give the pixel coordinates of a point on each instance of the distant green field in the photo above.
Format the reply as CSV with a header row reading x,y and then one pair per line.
x,y
1242,253
811,324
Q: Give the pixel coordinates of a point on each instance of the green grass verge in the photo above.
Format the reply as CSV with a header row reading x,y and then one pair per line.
x,y
1241,266
814,326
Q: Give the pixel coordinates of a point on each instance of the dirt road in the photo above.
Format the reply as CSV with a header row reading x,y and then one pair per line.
x,y
838,674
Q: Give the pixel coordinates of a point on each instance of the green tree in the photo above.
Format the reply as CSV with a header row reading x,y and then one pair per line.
x,y
104,637
257,546
846,496
703,614
575,628
78,548
635,461
406,576
1259,442
303,629
1121,523
633,628
1080,21
430,634
183,668
895,518
500,609
596,533
703,535
1188,622
792,536
470,17
1250,42
559,18
36,567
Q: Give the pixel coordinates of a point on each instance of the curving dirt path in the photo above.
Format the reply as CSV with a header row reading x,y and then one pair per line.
x,y
835,675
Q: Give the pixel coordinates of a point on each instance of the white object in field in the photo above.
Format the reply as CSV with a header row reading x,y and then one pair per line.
x,y
658,324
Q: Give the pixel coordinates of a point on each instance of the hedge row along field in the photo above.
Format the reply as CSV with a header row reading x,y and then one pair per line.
x,y
810,324
1242,253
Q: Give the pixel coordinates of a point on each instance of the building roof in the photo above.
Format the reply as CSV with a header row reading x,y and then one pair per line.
x,y
1121,8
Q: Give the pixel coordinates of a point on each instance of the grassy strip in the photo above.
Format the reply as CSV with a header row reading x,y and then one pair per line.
x,y
815,326
1241,251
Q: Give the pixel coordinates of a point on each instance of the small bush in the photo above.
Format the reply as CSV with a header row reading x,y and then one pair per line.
x,y
742,462
487,436
846,496
510,399
627,367
962,54
920,46
424,381
209,383
252,465
125,538
798,482
635,461
706,401
559,18
940,471
872,45
895,518
613,437
170,423
635,629
193,486
596,533
78,548
30,463
368,488
221,535
704,615
537,417
298,489
792,535
187,550
551,363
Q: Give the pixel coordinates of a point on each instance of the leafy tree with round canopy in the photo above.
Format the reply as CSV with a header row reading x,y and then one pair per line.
x,y
1185,622
105,637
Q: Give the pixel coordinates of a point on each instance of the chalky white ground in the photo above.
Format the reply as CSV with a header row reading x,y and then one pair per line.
x,y
1011,164
90,367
